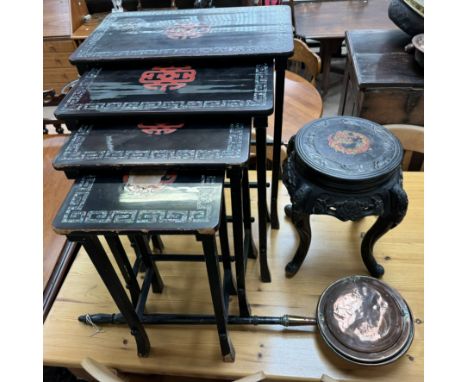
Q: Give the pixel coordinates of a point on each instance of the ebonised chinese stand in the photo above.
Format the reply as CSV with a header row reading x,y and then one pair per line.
x,y
348,168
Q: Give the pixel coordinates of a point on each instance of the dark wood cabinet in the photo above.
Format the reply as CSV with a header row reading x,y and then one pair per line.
x,y
57,46
382,82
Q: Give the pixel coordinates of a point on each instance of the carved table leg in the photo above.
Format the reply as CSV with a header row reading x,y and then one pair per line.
x,y
301,222
395,210
286,175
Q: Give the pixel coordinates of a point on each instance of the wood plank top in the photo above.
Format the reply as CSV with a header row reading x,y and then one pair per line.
x,y
283,353
88,26
331,19
258,32
56,18
163,202
379,59
153,146
302,104
172,90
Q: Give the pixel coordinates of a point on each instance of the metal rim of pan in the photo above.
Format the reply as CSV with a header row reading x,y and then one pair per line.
x,y
351,335
417,6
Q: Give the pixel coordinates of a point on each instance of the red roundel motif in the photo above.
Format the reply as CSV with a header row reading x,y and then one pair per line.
x,y
349,142
164,78
187,31
160,128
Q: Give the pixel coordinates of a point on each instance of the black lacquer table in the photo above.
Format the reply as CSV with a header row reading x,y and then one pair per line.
x,y
134,205
190,93
235,35
163,109
177,91
214,33
172,146
348,168
149,146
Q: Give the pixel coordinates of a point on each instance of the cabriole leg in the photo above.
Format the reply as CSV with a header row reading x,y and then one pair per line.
x,y
301,222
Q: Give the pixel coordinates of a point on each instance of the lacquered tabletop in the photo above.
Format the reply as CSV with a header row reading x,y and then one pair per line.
x,y
164,201
192,33
348,148
171,90
156,145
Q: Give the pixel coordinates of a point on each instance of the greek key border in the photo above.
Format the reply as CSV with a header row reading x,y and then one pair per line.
x,y
72,150
273,21
75,213
259,98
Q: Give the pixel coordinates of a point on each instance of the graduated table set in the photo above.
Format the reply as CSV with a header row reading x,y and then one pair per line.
x,y
162,114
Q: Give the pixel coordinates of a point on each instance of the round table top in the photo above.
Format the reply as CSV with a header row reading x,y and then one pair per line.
x,y
348,148
302,104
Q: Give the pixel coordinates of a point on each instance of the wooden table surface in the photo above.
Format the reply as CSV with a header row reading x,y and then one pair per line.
x,y
379,60
302,104
283,353
331,19
56,18
88,26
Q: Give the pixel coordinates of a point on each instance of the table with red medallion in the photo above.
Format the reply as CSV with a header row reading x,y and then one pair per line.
x,y
237,35
207,95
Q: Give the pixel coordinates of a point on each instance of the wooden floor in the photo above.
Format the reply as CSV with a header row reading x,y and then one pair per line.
x,y
282,353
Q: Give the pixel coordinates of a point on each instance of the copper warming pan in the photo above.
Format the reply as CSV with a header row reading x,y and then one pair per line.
x,y
360,318
365,321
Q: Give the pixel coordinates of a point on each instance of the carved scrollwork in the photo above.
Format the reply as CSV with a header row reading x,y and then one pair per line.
x,y
348,209
346,201
290,178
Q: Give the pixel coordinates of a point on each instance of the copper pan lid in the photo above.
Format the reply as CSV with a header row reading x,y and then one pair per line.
x,y
365,321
